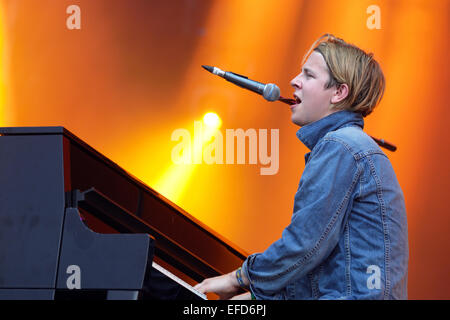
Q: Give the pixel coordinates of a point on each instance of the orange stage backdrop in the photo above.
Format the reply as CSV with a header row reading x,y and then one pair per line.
x,y
131,75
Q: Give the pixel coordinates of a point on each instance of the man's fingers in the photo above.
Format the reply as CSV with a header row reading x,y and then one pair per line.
x,y
198,287
244,296
201,287
221,285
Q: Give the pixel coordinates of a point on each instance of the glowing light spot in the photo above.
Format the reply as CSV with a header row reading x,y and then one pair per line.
x,y
174,182
211,119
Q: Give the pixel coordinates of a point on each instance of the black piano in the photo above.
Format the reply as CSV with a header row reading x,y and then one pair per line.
x,y
75,225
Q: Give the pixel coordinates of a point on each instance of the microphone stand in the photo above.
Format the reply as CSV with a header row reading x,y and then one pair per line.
x,y
381,142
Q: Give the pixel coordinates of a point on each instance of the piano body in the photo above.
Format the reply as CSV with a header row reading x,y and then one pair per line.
x,y
75,225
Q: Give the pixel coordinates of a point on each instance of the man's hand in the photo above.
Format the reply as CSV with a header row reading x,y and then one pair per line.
x,y
244,296
225,286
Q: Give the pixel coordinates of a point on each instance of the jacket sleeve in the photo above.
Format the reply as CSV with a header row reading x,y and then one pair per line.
x,y
323,197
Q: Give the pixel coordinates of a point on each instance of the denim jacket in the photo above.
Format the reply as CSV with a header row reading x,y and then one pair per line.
x,y
348,234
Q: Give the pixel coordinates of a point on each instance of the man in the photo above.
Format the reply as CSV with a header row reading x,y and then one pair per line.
x,y
348,234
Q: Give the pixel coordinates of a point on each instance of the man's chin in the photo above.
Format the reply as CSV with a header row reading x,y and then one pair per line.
x,y
298,122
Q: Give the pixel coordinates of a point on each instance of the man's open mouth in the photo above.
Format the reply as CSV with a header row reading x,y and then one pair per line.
x,y
297,99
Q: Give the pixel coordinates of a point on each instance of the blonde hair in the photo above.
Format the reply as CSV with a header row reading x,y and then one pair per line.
x,y
350,65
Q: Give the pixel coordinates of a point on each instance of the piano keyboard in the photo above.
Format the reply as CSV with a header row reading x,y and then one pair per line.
x,y
178,280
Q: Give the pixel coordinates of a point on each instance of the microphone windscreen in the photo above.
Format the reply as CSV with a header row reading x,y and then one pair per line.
x,y
271,92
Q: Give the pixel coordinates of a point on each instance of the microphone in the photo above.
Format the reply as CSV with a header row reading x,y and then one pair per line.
x,y
269,91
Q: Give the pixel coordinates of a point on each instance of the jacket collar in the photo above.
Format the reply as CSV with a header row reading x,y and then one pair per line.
x,y
311,133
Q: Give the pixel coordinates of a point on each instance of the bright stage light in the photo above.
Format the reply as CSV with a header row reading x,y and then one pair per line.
x,y
174,182
211,119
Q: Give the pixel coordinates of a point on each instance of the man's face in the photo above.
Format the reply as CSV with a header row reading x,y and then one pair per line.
x,y
313,100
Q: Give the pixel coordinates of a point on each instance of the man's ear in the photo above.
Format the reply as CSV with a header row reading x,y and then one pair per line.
x,y
340,93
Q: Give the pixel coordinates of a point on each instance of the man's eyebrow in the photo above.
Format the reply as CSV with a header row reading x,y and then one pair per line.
x,y
308,70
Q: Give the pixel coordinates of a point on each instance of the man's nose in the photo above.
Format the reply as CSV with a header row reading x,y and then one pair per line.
x,y
296,82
